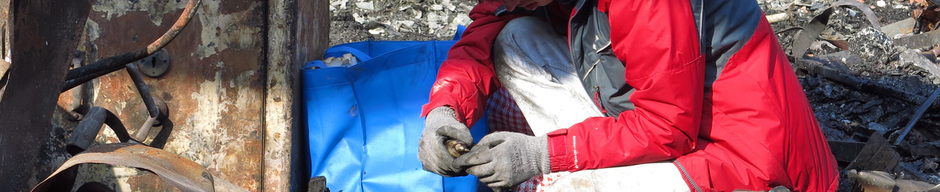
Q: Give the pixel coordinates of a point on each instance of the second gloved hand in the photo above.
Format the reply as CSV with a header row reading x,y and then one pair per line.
x,y
442,125
503,160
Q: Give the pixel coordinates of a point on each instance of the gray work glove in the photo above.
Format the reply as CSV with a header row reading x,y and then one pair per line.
x,y
441,125
503,160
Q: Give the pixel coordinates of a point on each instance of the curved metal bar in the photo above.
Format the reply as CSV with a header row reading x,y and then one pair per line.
x,y
180,172
104,66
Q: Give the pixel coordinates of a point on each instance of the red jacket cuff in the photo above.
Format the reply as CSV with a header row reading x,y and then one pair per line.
x,y
558,150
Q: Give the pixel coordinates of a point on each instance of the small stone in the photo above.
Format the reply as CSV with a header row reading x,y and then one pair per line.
x,y
930,165
880,129
366,5
341,4
377,31
434,22
881,3
358,18
416,13
406,23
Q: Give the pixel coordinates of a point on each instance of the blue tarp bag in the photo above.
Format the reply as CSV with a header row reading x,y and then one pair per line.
x,y
363,121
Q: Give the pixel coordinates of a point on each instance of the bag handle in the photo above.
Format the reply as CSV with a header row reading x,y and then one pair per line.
x,y
340,50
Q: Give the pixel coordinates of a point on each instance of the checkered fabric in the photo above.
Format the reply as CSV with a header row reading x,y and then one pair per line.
x,y
503,114
539,182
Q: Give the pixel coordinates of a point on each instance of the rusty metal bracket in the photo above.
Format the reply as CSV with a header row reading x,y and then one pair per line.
x,y
89,127
104,66
152,108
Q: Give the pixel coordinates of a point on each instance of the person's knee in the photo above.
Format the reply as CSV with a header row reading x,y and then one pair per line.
x,y
523,29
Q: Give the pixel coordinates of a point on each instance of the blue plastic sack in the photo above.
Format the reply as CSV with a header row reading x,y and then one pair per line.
x,y
363,122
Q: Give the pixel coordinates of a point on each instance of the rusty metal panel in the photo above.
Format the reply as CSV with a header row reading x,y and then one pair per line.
x,y
214,87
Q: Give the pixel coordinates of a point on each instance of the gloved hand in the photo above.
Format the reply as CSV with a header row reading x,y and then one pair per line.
x,y
441,125
503,160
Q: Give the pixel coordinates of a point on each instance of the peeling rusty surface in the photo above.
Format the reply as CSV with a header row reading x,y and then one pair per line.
x,y
214,88
298,31
279,97
110,64
230,97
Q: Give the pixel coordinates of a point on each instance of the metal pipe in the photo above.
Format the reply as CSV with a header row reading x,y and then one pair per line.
x,y
916,117
104,66
143,89
88,129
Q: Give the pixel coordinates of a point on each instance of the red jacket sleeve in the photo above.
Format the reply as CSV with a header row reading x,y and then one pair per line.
x,y
659,46
466,79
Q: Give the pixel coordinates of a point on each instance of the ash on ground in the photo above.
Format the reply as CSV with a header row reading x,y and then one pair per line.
x,y
359,20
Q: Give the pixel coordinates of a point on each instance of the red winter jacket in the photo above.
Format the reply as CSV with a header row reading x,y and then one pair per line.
x,y
751,128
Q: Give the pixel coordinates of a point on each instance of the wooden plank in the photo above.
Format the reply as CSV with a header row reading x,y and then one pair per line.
x,y
877,155
845,151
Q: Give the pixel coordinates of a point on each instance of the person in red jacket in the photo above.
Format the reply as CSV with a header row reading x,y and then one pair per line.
x,y
702,87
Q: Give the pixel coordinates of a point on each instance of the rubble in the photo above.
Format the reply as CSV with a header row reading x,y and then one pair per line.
x,y
353,20
917,60
868,91
865,71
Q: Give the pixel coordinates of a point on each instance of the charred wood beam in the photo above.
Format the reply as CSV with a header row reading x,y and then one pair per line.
x,y
45,35
845,151
821,66
919,41
877,154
